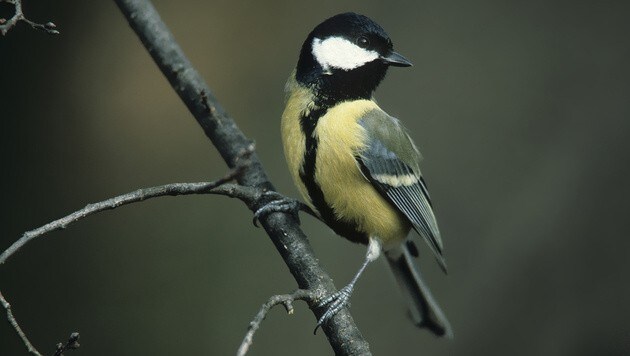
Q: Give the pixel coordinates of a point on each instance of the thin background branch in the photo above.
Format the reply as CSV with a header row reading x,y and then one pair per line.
x,y
18,15
139,195
31,349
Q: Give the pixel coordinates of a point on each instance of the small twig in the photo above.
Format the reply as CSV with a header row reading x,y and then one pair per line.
x,y
284,299
31,349
71,344
173,189
18,15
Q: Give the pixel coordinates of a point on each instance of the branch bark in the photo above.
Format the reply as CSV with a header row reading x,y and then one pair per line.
x,y
142,194
14,324
283,229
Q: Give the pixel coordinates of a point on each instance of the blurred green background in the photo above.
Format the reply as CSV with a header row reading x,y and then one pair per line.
x,y
522,110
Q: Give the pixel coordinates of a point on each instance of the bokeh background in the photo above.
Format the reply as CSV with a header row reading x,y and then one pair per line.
x,y
522,110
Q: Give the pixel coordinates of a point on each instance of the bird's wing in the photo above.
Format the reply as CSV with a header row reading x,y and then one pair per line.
x,y
390,161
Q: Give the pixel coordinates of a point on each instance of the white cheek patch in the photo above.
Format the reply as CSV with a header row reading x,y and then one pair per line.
x,y
339,53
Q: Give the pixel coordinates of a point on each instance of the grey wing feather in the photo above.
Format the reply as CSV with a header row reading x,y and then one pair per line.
x,y
390,161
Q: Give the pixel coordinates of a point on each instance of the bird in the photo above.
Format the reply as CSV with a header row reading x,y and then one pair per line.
x,y
355,165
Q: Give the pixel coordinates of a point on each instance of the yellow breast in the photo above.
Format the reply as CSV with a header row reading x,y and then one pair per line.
x,y
340,138
352,197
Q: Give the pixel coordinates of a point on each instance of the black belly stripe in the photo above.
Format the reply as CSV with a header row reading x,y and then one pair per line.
x,y
307,174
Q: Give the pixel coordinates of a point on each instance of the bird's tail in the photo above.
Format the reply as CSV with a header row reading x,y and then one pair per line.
x,y
425,311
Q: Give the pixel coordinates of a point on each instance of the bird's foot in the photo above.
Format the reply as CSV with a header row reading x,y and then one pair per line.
x,y
280,203
335,302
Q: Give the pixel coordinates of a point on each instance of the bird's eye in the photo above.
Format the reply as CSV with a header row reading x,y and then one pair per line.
x,y
363,42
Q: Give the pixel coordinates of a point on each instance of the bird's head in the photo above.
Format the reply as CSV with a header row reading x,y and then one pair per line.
x,y
346,57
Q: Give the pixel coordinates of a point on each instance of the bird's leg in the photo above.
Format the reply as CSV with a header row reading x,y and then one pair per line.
x,y
338,300
283,204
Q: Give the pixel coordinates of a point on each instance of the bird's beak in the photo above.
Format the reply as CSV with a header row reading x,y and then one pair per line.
x,y
396,59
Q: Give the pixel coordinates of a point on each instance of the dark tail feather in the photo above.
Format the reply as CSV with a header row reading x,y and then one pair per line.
x,y
425,311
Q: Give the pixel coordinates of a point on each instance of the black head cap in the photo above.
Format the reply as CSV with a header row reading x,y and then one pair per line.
x,y
346,57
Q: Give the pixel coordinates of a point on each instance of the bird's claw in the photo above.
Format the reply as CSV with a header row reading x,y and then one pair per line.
x,y
335,302
280,204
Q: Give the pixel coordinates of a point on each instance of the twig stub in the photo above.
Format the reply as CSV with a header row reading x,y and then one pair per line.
x,y
71,344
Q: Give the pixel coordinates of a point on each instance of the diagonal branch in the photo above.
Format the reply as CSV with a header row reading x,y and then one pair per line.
x,y
31,349
283,229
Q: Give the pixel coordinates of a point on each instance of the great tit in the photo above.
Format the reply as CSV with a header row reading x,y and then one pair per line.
x,y
356,166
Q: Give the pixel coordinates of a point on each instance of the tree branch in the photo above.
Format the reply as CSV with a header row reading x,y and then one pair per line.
x,y
139,195
18,15
284,299
249,195
31,349
283,229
